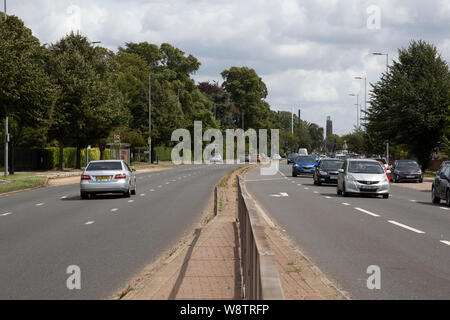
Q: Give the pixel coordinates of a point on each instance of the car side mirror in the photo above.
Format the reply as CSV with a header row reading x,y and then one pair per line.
x,y
388,172
443,176
133,170
341,170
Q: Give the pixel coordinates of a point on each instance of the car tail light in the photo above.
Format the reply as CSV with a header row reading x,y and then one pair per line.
x,y
120,176
85,177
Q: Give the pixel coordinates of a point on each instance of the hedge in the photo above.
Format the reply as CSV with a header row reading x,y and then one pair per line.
x,y
50,157
163,153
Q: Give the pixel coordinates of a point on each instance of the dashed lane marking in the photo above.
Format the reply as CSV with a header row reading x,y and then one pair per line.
x,y
90,222
39,204
368,212
405,226
5,214
446,242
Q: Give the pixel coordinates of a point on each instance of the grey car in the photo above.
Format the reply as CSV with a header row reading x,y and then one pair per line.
x,y
107,176
359,176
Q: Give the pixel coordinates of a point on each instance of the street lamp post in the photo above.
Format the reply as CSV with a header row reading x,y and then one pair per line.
x,y
357,108
365,91
150,118
6,121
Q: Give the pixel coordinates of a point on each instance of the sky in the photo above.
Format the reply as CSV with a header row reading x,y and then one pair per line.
x,y
308,52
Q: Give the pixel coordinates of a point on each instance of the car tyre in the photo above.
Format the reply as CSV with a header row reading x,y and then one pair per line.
x,y
386,196
84,195
338,191
434,199
294,174
344,193
127,194
447,201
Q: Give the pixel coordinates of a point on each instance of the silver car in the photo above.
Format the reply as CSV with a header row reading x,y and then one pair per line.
x,y
107,176
359,176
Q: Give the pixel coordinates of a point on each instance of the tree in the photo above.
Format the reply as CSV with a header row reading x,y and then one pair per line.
x,y
25,89
409,105
88,104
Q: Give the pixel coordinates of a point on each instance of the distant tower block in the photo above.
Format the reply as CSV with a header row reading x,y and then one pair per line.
x,y
329,126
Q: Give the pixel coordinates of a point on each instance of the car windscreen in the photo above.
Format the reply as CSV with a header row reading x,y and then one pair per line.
x,y
305,159
101,166
365,167
407,165
332,164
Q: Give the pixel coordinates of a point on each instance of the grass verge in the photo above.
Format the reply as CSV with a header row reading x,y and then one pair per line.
x,y
20,181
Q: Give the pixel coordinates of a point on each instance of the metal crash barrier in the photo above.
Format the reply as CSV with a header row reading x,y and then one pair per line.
x,y
260,277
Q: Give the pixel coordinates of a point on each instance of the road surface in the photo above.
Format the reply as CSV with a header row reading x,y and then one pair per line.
x,y
110,238
405,235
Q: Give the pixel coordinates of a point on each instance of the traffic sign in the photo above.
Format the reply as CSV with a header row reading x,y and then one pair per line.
x,y
117,138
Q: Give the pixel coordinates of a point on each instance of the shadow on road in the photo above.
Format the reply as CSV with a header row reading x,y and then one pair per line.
x,y
96,197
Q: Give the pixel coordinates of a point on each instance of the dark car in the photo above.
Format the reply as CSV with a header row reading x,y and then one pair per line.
x,y
283,155
326,171
406,170
440,189
304,165
291,157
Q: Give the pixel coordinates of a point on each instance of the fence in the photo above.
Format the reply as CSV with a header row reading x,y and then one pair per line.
x,y
260,277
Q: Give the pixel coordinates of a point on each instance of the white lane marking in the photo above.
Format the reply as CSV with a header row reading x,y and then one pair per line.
x,y
413,200
293,181
152,190
405,226
281,194
444,208
299,184
64,197
39,204
346,204
160,186
446,242
368,212
316,192
306,188
90,222
142,194
174,180
327,197
167,182
114,210
284,194
130,201
5,214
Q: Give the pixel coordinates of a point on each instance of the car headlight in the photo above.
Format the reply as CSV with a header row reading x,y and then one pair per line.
x,y
396,171
351,178
323,173
296,165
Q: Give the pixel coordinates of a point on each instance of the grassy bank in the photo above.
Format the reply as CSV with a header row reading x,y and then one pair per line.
x,y
21,181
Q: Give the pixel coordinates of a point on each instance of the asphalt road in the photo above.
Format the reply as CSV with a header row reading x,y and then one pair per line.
x,y
110,238
405,235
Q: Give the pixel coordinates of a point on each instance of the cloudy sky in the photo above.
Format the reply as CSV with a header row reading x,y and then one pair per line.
x,y
307,51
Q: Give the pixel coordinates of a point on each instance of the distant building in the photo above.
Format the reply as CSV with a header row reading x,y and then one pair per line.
x,y
329,127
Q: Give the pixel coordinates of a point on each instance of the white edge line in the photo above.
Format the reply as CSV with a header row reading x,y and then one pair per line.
x,y
445,242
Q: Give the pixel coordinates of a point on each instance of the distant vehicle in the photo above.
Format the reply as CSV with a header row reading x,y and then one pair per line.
x,y
107,176
284,155
362,177
304,165
440,189
406,170
291,157
340,156
303,152
383,161
326,171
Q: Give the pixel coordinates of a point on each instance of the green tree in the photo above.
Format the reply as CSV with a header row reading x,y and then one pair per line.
x,y
409,104
25,89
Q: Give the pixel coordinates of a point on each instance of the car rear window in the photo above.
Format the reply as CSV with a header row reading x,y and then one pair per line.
x,y
332,164
100,166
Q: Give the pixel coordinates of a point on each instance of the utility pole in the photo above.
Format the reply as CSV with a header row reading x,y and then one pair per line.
x,y
292,121
6,124
243,128
150,118
365,91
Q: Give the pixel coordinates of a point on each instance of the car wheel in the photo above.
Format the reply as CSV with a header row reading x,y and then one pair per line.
x,y
294,174
434,199
84,195
338,191
127,194
386,196
319,183
421,180
448,198
345,194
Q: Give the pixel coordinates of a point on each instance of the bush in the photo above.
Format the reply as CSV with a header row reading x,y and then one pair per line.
x,y
163,153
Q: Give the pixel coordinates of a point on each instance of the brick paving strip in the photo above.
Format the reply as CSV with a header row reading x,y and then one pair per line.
x,y
206,265
425,186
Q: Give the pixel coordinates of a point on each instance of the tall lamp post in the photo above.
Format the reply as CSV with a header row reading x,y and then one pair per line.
x,y
6,121
150,118
357,108
365,91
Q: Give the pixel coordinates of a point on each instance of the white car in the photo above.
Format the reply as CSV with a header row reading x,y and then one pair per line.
x,y
359,176
107,176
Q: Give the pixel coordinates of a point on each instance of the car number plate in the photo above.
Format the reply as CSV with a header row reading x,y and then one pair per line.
x,y
409,177
368,188
333,178
103,178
